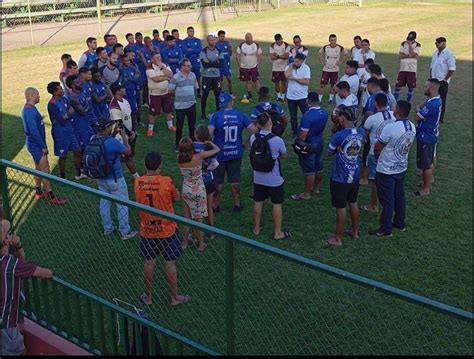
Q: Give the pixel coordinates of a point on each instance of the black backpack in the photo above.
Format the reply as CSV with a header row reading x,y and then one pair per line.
x,y
260,155
94,162
277,128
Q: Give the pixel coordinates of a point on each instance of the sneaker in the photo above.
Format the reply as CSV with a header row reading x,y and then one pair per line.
x,y
191,239
237,208
108,233
330,102
130,235
57,201
205,118
145,105
141,124
279,99
379,233
216,209
172,129
176,150
150,133
81,177
401,229
40,196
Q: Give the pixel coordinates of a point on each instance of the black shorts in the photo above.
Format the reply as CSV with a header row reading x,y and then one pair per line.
x,y
233,169
425,153
210,186
261,193
343,193
211,84
170,248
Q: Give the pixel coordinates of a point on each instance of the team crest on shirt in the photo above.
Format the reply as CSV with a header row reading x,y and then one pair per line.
x,y
352,149
403,145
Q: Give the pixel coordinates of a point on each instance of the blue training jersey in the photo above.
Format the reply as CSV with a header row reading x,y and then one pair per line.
x,y
346,165
34,128
228,127
172,56
427,130
130,78
91,59
109,50
314,122
207,175
101,109
81,122
191,47
87,91
225,48
61,121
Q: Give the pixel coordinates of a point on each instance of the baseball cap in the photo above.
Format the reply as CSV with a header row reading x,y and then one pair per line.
x,y
411,35
115,87
103,123
441,39
224,99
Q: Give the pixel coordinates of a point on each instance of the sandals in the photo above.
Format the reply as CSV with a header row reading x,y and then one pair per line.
x,y
142,299
185,300
287,235
253,232
349,233
418,194
369,209
328,243
299,197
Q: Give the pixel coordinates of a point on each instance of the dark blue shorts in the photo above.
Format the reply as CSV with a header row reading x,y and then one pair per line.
x,y
233,170
37,155
170,248
64,144
83,137
312,163
226,72
372,166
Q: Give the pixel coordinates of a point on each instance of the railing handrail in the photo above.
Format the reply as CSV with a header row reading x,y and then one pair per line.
x,y
291,257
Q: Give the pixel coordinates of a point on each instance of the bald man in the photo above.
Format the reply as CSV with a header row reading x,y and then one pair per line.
x,y
36,144
249,57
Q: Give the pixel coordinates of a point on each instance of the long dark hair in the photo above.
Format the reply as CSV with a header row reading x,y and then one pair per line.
x,y
186,150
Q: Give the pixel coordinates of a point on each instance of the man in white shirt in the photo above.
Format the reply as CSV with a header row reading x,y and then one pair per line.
x,y
299,76
373,127
351,78
357,45
159,76
362,55
279,52
297,49
443,65
346,97
391,152
408,53
249,58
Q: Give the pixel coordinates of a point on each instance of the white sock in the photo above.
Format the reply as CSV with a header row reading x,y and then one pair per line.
x,y
320,98
150,127
331,96
135,175
283,96
169,123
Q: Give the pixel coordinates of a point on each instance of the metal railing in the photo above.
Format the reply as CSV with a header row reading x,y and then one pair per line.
x,y
252,298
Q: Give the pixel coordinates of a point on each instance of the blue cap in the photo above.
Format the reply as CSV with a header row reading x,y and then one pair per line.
x,y
224,99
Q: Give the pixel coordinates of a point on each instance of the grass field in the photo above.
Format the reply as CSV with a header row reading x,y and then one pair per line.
x,y
433,258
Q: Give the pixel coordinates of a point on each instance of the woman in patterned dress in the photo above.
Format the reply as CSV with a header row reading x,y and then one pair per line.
x,y
194,191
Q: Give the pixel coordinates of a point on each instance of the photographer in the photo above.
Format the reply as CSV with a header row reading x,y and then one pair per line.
x,y
121,113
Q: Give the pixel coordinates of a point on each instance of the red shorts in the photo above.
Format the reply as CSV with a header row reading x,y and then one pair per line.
x,y
278,76
160,102
406,78
249,74
329,76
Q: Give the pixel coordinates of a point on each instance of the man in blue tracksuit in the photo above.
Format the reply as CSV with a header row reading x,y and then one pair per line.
x,y
192,47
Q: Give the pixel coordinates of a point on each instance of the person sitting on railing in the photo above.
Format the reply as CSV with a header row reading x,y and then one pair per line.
x,y
14,269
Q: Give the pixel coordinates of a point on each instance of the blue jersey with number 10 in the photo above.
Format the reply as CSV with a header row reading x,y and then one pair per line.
x,y
228,127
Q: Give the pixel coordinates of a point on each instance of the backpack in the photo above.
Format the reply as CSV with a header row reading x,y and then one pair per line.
x,y
277,128
93,160
260,155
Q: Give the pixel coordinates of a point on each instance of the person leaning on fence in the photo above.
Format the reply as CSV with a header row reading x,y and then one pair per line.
x,y
159,236
14,269
113,182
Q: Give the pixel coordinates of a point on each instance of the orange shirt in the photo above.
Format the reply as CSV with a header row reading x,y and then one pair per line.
x,y
158,192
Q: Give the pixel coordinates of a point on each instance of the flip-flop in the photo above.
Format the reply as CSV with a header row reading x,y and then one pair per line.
x,y
349,233
255,234
327,243
287,236
299,197
368,209
142,300
186,300
203,249
418,194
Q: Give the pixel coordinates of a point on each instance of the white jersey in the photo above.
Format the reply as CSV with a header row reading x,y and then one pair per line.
x,y
353,81
375,124
121,110
361,57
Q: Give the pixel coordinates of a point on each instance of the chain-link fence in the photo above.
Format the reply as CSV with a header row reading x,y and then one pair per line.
x,y
247,298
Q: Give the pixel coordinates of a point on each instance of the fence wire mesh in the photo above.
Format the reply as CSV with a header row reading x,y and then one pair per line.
x,y
280,307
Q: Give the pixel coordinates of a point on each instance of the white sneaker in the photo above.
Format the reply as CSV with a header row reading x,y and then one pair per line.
x,y
130,235
81,177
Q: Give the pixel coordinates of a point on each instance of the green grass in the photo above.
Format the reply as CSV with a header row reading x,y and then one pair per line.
x,y
276,300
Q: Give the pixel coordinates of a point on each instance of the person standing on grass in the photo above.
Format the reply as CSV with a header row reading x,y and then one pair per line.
x,y
373,127
159,76
298,75
297,49
109,43
279,52
312,128
192,47
171,54
183,88
102,58
212,60
71,70
428,116
363,55
131,79
408,53
89,57
144,62
119,50
158,236
351,77
249,57
226,127
391,152
443,66
100,96
346,145
14,269
110,73
226,49
156,40
60,113
65,58
269,184
346,97
276,113
194,191
357,46
331,56
33,125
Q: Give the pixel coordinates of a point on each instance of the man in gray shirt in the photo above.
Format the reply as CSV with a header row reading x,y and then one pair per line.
x,y
110,73
183,86
212,60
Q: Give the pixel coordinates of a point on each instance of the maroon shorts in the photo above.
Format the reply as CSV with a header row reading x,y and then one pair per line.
x,y
160,102
329,76
249,74
406,78
278,76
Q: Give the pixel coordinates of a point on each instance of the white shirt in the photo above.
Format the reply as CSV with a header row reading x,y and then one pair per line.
x,y
353,82
249,55
121,110
157,88
441,63
279,64
296,91
398,142
361,58
375,124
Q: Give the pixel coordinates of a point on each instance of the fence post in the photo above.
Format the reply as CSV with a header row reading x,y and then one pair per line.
x,y
99,18
278,4
31,23
229,296
259,5
5,199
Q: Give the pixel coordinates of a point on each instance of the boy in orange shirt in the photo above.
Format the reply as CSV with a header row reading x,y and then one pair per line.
x,y
159,236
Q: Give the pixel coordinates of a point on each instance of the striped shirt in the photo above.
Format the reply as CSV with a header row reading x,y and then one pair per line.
x,y
184,90
13,270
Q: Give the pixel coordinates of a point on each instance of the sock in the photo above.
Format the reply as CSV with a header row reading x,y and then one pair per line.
x,y
51,195
39,190
396,94
331,96
283,96
135,175
320,98
410,94
78,172
63,175
169,123
150,127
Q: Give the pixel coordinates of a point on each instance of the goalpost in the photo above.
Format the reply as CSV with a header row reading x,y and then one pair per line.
x,y
345,2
